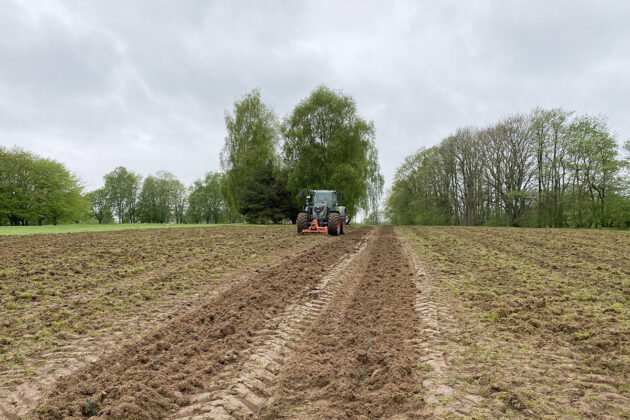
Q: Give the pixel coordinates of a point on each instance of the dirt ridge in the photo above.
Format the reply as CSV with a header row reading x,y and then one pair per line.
x,y
71,350
243,393
357,359
433,319
159,372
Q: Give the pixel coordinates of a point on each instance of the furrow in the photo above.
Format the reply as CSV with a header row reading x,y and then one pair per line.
x,y
433,320
242,394
357,359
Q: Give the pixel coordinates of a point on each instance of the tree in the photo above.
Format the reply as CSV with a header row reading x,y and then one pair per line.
x,y
99,205
34,190
468,181
328,146
267,198
180,201
422,191
375,184
150,208
5,191
509,159
205,202
399,208
250,147
162,199
547,168
549,130
122,188
595,165
16,186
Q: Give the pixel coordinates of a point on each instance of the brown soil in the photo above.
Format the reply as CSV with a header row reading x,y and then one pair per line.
x,y
412,322
534,322
68,299
155,375
358,360
243,390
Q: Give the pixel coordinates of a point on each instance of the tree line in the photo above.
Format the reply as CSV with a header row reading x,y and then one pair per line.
x,y
159,198
265,162
35,190
549,168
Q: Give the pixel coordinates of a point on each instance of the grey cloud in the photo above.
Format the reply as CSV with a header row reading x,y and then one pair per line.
x,y
146,84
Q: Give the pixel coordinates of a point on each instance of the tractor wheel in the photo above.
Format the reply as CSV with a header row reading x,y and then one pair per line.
x,y
343,225
333,224
302,221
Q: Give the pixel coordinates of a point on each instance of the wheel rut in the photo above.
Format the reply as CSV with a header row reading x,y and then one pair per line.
x,y
357,359
105,330
244,392
225,349
434,322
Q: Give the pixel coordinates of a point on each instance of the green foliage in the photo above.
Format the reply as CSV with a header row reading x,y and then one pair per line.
x,y
328,146
205,202
594,164
162,199
254,184
419,192
547,169
35,190
99,205
267,198
122,188
250,146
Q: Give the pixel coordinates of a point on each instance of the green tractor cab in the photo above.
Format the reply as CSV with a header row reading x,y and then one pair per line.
x,y
322,214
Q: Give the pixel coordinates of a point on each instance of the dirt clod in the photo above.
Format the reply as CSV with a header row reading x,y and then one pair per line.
x,y
228,330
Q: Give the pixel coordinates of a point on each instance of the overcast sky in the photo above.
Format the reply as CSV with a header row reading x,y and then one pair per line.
x,y
145,84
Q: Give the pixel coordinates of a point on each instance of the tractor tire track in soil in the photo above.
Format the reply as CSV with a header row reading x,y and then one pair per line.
x,y
242,393
433,321
358,358
73,351
78,352
164,370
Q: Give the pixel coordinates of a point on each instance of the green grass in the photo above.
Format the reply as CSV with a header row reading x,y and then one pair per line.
x,y
75,228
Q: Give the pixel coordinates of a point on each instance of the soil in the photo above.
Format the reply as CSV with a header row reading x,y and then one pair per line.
x,y
155,375
534,323
404,323
69,299
359,358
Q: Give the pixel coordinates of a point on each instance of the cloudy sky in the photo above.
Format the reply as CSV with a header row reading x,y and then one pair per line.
x,y
145,84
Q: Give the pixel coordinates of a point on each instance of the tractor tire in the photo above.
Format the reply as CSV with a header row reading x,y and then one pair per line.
x,y
302,221
333,224
343,226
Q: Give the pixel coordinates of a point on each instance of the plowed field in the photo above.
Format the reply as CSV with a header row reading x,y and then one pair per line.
x,y
256,322
67,299
531,323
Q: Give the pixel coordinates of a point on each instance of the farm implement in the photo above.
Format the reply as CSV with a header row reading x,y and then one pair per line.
x,y
322,214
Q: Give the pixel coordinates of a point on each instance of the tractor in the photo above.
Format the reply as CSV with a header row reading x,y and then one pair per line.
x,y
322,214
